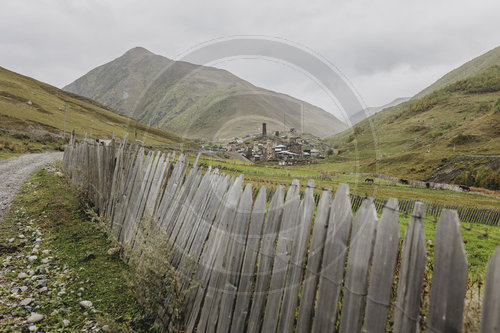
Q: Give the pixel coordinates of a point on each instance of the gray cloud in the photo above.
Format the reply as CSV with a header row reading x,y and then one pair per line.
x,y
387,49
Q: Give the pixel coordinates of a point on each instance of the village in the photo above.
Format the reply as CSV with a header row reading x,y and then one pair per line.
x,y
285,148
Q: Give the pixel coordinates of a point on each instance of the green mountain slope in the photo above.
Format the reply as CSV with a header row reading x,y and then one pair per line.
x,y
436,137
35,109
473,67
196,101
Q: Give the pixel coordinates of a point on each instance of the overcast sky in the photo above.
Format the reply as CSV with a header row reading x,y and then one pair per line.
x,y
386,48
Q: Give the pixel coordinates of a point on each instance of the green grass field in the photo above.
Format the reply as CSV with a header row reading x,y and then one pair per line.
x,y
272,175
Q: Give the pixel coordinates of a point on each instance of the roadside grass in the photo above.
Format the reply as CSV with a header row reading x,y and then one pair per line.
x,y
15,144
80,250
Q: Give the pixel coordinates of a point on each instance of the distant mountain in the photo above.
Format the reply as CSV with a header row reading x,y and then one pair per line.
x,y
35,108
371,110
196,101
453,129
473,67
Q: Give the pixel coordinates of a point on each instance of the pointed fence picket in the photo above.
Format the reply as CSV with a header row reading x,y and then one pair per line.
x,y
385,255
295,265
406,314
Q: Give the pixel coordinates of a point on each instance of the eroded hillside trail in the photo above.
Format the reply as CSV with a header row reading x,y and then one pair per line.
x,y
14,172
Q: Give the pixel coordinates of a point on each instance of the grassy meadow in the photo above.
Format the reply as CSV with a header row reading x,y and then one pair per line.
x,y
325,177
436,137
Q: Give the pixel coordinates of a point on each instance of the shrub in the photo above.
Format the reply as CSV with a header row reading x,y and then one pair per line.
x,y
157,283
496,108
482,176
483,107
491,182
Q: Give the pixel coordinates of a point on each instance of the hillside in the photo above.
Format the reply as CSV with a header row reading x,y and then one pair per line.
x,y
454,129
473,67
33,109
195,101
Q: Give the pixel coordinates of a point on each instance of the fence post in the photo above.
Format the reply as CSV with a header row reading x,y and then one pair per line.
x,y
385,255
358,264
406,314
266,260
306,310
241,308
490,321
333,262
449,276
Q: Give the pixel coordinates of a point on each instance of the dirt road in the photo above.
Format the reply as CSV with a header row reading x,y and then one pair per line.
x,y
14,172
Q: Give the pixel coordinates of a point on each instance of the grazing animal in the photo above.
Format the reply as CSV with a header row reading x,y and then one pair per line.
x,y
404,181
369,180
465,188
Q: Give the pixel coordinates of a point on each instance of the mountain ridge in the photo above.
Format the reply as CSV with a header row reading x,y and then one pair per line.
x,y
470,68
195,101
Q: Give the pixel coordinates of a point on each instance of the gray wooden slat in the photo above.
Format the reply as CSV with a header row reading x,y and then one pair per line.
x,y
195,209
266,261
449,277
203,224
155,186
131,220
219,278
298,259
211,257
243,297
234,260
358,265
186,203
490,320
306,310
385,255
332,267
283,254
411,274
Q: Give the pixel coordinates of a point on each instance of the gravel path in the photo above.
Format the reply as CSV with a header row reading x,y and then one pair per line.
x,y
14,172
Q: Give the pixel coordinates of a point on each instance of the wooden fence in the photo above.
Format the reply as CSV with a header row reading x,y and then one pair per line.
x,y
432,209
291,266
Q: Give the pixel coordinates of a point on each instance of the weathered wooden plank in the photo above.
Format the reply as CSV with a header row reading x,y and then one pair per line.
x,y
131,222
194,211
185,205
152,199
212,255
306,310
332,267
266,260
449,277
231,266
232,224
490,321
385,254
358,265
411,274
178,202
204,222
298,259
243,297
282,258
